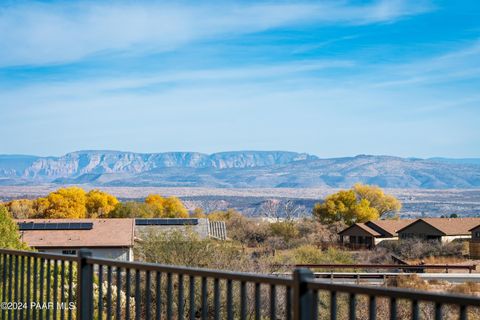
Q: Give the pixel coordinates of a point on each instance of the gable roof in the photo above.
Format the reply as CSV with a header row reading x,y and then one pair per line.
x,y
104,233
449,226
389,227
362,226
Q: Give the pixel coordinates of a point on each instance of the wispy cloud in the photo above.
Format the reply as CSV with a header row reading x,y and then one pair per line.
x,y
455,65
33,33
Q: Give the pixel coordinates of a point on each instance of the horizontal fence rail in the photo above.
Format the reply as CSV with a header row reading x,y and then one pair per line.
x,y
405,268
85,287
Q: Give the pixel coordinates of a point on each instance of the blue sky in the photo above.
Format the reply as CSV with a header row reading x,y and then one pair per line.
x,y
332,78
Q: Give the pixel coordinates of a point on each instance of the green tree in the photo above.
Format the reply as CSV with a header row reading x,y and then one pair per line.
x,y
9,235
132,209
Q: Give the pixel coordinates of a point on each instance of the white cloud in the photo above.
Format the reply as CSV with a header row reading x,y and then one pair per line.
x,y
48,33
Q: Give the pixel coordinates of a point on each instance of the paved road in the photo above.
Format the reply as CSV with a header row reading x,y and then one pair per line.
x,y
379,278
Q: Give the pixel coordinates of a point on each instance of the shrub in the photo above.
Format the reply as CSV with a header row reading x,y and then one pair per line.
x,y
309,254
176,248
420,249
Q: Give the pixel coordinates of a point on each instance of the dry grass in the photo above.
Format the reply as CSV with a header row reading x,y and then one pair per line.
x,y
470,288
410,281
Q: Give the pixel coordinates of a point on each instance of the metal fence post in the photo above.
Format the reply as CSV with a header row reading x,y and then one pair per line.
x,y
85,286
302,297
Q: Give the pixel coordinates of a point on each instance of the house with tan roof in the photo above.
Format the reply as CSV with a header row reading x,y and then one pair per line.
x,y
441,229
367,235
105,238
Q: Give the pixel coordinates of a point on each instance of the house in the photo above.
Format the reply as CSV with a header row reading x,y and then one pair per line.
x,y
474,244
106,238
441,229
367,235
204,228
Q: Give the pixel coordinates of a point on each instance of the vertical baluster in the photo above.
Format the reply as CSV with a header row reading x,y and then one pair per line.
x,y
118,303
4,281
35,281
333,305
29,285
229,300
393,309
109,293
138,302
62,289
158,290
415,310
204,299
191,293
288,298
169,296
70,289
216,298
243,300
352,306
148,295
373,308
16,287
315,304
463,313
10,284
41,292
180,301
273,302
55,290
438,311
258,302
100,292
22,285
47,289
127,294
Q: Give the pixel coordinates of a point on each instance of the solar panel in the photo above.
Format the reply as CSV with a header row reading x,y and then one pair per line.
x,y
55,226
165,222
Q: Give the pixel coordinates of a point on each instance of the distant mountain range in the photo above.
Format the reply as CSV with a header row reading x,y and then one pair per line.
x,y
252,169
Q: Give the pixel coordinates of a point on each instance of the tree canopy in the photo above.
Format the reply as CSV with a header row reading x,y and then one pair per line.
x,y
155,206
9,235
99,204
65,203
359,204
385,204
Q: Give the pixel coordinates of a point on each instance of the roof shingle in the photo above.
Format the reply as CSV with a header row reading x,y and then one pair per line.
x,y
105,233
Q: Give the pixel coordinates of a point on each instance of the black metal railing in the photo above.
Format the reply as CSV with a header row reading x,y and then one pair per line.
x,y
47,286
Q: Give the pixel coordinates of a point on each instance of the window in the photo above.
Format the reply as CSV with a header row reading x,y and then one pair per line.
x,y
70,252
477,234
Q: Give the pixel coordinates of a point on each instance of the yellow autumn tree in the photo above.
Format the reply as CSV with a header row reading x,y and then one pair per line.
x,y
21,208
198,213
99,204
174,208
65,203
344,206
384,203
156,204
170,207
